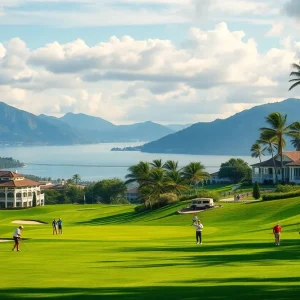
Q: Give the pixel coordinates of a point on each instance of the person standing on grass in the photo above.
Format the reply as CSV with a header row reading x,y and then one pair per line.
x,y
195,219
54,226
276,232
59,223
199,228
17,237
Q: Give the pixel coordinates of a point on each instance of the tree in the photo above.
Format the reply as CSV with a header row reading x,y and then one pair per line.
x,y
277,131
171,165
109,189
236,170
138,173
157,163
257,151
194,173
256,191
271,147
297,74
175,182
34,200
76,178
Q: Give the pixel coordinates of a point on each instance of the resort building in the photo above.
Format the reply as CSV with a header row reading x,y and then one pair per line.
x,y
264,172
215,179
132,195
17,191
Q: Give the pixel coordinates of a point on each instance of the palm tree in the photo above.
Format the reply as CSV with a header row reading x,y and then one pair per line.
x,y
157,163
277,131
195,172
271,147
297,74
171,165
154,184
175,182
257,151
296,142
138,173
76,178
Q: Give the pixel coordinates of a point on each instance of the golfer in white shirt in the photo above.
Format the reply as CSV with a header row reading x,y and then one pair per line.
x,y
17,237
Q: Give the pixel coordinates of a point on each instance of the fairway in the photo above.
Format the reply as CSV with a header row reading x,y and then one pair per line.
x,y
110,252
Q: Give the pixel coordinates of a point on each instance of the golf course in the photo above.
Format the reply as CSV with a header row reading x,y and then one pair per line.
x,y
111,252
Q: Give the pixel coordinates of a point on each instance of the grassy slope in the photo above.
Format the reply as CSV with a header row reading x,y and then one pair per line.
x,y
111,252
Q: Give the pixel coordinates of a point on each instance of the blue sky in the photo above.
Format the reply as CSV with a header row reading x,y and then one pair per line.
x,y
71,55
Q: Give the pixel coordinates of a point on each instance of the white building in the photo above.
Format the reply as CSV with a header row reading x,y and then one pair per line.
x,y
17,191
215,179
132,195
264,172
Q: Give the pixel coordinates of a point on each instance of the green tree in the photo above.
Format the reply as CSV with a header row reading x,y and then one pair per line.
x,y
75,194
109,189
175,182
297,75
157,163
89,194
256,191
195,172
171,165
277,131
257,151
34,200
138,173
76,178
270,146
236,170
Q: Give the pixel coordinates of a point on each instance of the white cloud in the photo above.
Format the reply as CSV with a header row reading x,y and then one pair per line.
x,y
276,30
215,73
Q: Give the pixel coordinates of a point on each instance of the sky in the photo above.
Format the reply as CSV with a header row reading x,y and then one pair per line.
x,y
127,61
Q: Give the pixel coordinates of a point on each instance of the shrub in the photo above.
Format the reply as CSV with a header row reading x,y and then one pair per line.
x,y
278,196
140,208
34,200
167,198
202,194
256,191
287,188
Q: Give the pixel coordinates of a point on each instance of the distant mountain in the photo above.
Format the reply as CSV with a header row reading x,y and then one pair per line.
x,y
18,126
178,127
232,136
85,122
100,130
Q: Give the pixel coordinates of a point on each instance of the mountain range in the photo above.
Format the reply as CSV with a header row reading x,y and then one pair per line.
x,y
20,127
232,136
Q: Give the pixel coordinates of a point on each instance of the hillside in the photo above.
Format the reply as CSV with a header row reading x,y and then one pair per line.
x,y
231,136
18,126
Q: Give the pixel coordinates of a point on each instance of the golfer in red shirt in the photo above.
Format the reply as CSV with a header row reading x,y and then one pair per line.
x,y
276,231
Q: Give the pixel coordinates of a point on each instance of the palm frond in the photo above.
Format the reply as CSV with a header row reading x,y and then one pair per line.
x,y
294,85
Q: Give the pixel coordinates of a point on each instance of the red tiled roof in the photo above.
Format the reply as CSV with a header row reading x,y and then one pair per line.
x,y
294,163
293,155
10,174
19,183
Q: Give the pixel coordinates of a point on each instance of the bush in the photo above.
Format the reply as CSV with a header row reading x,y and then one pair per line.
x,y
167,198
287,188
202,194
278,196
119,200
256,191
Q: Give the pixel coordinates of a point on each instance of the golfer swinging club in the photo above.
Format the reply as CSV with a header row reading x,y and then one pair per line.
x,y
199,228
17,237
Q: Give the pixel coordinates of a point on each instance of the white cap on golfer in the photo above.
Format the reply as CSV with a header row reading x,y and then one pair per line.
x,y
21,226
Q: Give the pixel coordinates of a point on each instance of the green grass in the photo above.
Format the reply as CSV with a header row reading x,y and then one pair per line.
x,y
113,253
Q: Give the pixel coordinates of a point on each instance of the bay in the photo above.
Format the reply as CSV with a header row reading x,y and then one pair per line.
x,y
97,162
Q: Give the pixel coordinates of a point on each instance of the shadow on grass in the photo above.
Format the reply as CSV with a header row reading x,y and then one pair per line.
x,y
280,291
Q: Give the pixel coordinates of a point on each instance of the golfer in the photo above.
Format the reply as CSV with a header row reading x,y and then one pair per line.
x,y
276,232
195,219
54,226
199,228
59,223
17,237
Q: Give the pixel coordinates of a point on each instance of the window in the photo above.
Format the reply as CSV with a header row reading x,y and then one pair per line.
x,y
29,194
206,201
19,195
2,195
10,195
297,172
24,194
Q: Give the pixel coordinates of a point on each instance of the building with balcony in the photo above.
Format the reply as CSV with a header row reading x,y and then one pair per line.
x,y
215,179
18,191
264,172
